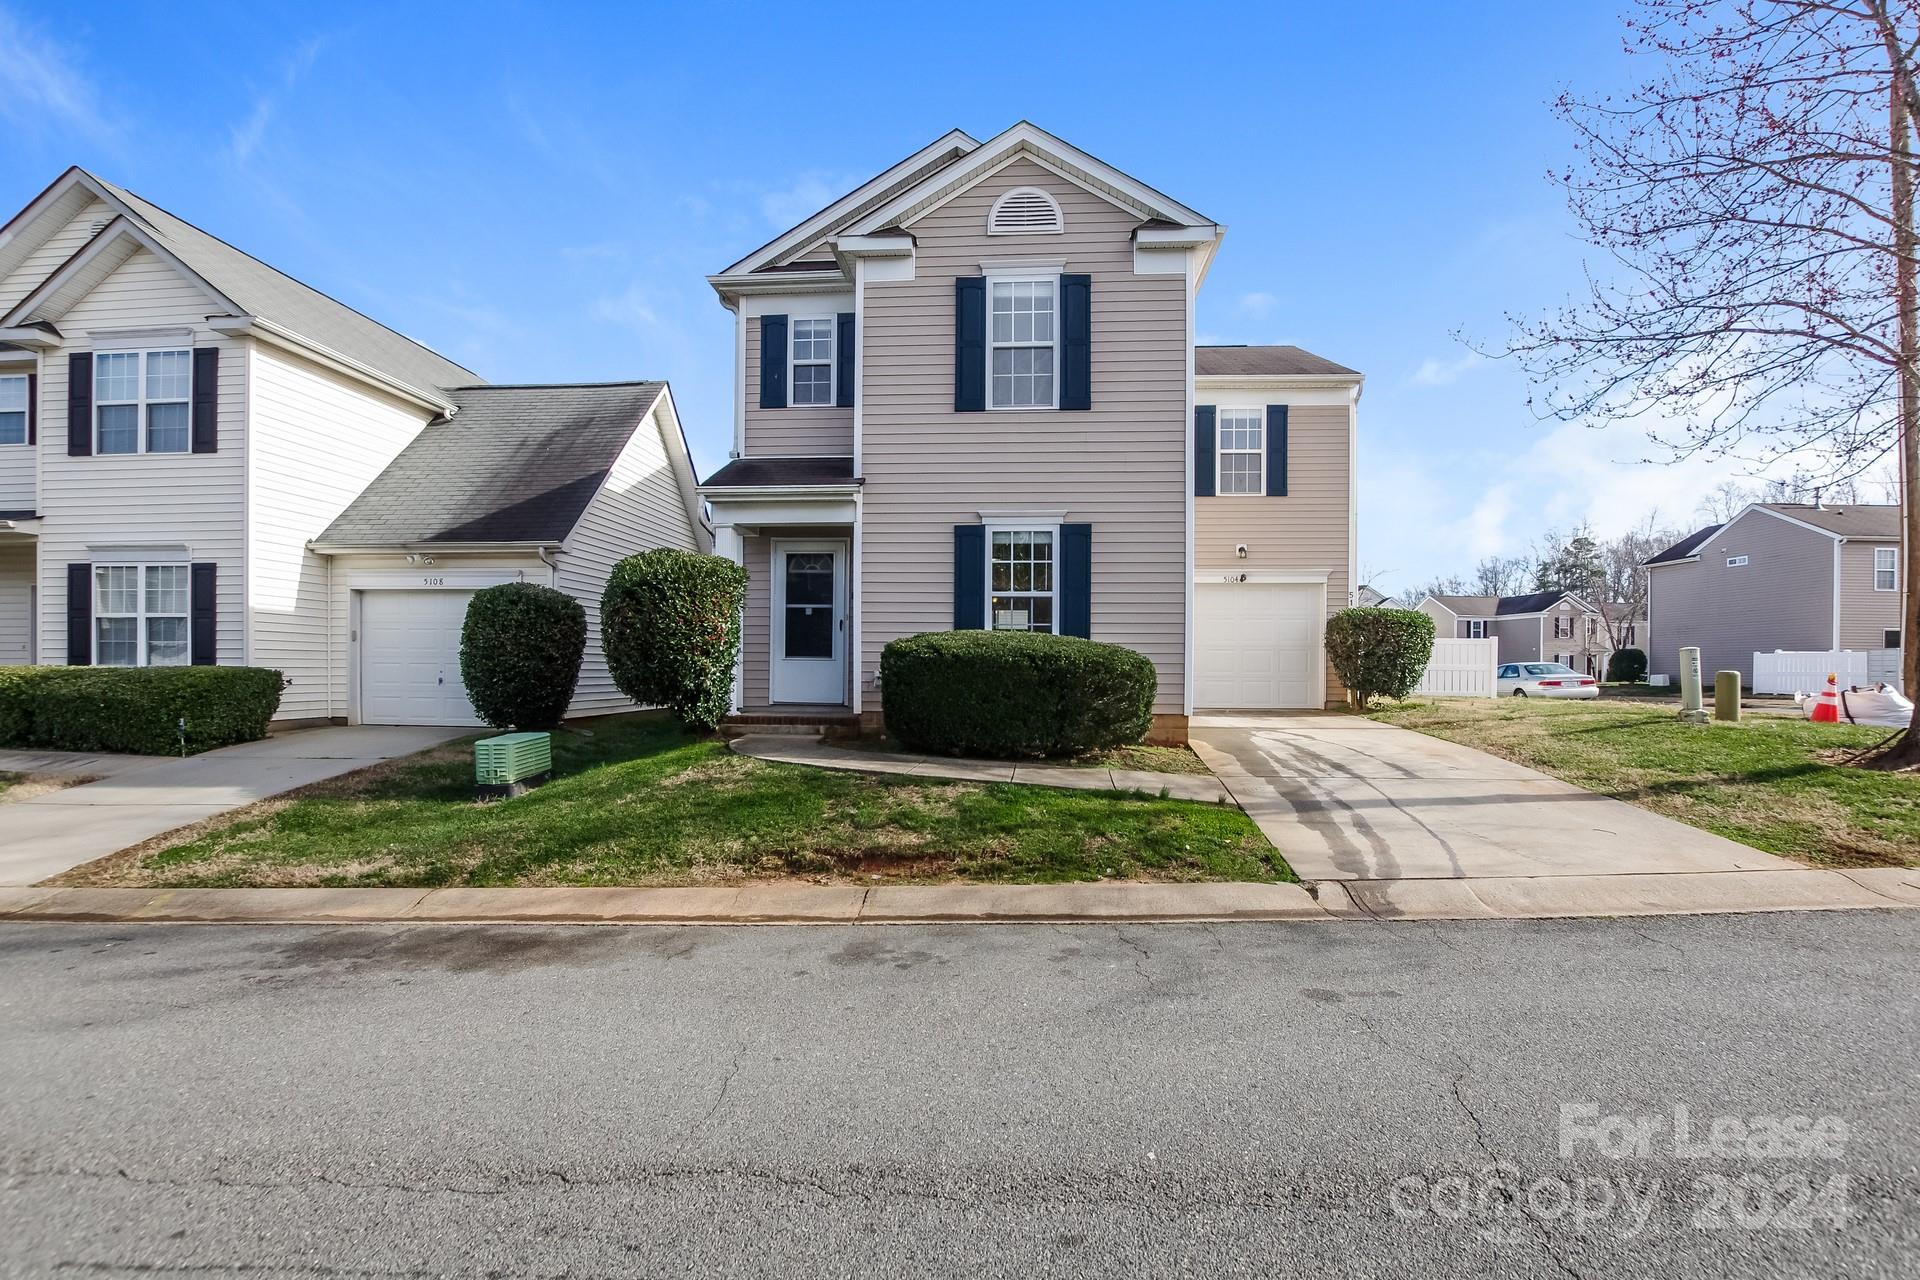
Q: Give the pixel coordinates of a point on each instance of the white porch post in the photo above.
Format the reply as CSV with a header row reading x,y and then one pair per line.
x,y
727,542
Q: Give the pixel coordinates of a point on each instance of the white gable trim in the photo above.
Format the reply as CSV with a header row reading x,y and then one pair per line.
x,y
62,201
93,262
1435,602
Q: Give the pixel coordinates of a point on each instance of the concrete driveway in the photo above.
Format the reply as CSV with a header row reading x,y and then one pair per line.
x,y
148,796
1347,798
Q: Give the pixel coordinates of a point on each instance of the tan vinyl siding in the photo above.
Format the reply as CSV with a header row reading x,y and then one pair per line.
x,y
639,508
16,596
1307,531
318,439
1866,615
1781,599
191,498
1120,466
803,431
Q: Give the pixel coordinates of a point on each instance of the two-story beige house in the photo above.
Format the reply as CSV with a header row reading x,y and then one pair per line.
x,y
1539,626
203,460
968,396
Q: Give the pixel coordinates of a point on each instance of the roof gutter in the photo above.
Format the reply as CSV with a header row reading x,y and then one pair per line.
x,y
264,330
780,282
538,547
802,492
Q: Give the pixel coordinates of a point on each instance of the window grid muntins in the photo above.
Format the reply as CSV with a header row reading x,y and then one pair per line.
x,y
812,362
1886,568
1021,333
141,401
13,410
1021,577
140,615
1240,447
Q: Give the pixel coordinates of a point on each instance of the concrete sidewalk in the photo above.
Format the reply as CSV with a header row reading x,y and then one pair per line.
x,y
52,833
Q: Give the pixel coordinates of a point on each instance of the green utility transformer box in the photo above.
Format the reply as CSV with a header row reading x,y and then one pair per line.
x,y
512,764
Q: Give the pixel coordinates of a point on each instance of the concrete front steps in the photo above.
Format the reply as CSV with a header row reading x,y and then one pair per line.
x,y
799,722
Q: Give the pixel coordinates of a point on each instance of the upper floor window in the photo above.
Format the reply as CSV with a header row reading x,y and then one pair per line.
x,y
140,615
1562,627
1025,211
13,409
1021,581
1886,568
812,379
140,401
1021,335
1241,452
1476,629
1736,562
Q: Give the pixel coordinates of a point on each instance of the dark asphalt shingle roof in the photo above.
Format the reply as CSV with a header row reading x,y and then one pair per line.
x,y
1687,546
1242,361
762,473
1855,521
1501,606
514,464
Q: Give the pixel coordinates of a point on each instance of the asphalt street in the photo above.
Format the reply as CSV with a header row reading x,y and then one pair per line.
x,y
1574,1098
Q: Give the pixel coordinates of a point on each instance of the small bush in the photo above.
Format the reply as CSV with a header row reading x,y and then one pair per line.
x,y
1379,652
670,622
1014,693
136,710
1627,666
520,651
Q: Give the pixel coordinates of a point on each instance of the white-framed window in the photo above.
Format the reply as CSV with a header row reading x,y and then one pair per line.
x,y
1240,451
1023,579
13,409
1736,562
141,401
1562,627
140,615
1476,629
1021,332
812,374
1886,568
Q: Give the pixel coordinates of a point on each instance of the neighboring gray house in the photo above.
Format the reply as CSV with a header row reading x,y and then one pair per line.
x,y
1369,596
1541,626
1779,575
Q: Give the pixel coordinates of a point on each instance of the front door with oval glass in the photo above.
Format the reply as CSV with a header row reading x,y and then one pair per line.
x,y
809,622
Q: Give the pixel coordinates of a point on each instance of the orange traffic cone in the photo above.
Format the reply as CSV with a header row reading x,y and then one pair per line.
x,y
1826,708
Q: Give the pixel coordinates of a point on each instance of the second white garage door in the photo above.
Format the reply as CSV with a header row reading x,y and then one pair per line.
x,y
410,658
1257,645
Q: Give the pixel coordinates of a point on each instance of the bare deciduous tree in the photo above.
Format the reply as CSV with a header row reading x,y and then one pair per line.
x,y
1754,198
1502,576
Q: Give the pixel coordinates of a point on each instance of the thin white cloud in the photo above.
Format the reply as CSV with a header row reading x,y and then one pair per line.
x,y
39,82
805,196
245,138
1438,373
1257,303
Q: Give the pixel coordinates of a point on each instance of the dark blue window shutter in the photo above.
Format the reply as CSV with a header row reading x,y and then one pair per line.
x,y
1076,342
969,577
1203,451
33,408
843,358
206,400
202,630
773,362
970,344
80,404
79,615
1276,451
1076,580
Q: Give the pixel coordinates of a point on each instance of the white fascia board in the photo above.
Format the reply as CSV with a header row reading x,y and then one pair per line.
x,y
720,494
789,282
820,223
890,245
267,331
430,548
1344,389
30,337
1191,237
120,229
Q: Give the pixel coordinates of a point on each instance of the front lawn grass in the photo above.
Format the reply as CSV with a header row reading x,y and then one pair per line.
x,y
1767,781
638,801
1134,756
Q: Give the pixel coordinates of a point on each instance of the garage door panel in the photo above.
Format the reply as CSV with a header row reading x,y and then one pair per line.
x,y
410,658
1257,645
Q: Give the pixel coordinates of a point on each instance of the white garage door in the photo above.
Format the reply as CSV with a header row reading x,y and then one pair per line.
x,y
410,658
1258,645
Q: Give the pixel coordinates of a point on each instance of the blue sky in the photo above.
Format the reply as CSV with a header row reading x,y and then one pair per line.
x,y
539,190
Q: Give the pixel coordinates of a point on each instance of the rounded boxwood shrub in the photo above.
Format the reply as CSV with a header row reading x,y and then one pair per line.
x,y
670,622
1379,652
520,651
1627,665
1014,693
139,710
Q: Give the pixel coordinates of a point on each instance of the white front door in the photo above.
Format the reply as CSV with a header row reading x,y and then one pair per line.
x,y
1257,645
809,621
410,658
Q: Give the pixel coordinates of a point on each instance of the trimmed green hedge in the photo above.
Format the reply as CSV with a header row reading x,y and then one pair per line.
x,y
1379,652
520,651
1014,693
670,623
136,710
1625,666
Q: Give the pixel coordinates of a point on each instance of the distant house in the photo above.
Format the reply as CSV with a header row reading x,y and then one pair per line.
x,y
1541,626
1778,575
1369,597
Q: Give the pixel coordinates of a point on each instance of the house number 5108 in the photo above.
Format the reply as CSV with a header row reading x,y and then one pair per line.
x,y
433,582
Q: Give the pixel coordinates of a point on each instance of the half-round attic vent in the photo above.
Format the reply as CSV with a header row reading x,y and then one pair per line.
x,y
1024,211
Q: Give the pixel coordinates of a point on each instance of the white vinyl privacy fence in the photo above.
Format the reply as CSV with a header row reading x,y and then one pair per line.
x,y
1805,671
1460,669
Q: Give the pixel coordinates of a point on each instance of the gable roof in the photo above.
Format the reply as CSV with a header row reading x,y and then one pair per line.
x,y
516,464
1466,606
1686,548
1505,606
1240,360
251,286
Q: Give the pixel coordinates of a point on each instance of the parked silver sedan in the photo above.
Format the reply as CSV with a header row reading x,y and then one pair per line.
x,y
1545,680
